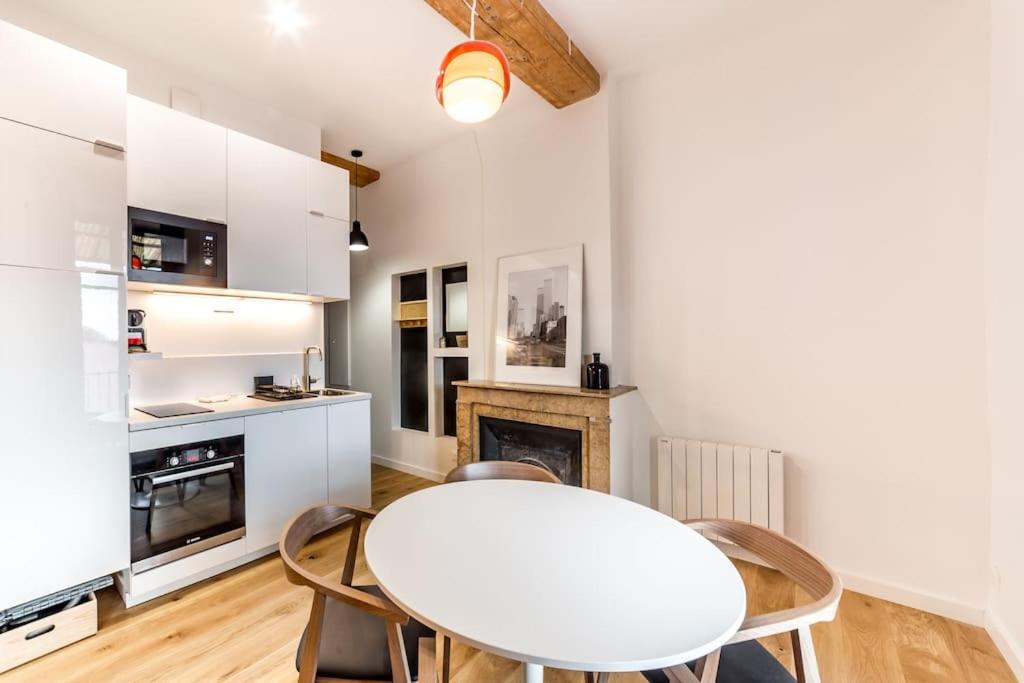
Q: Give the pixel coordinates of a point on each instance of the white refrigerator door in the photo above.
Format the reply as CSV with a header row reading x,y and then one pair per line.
x,y
64,462
62,202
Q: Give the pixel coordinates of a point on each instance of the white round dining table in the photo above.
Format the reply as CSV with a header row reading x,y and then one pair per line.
x,y
555,576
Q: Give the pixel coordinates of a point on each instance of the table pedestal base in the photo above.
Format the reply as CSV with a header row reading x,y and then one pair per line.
x,y
533,673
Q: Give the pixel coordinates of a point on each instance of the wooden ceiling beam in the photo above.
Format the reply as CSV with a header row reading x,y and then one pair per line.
x,y
366,174
539,51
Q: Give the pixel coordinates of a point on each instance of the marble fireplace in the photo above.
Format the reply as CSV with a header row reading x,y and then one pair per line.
x,y
565,429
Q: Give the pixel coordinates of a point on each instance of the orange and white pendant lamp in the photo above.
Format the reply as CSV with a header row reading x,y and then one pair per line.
x,y
474,79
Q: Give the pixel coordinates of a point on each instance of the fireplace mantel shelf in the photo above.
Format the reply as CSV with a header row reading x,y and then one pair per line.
x,y
546,388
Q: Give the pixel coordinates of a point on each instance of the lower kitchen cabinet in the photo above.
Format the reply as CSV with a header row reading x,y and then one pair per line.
x,y
348,453
285,470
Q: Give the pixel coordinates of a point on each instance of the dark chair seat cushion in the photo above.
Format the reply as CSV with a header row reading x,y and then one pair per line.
x,y
354,643
747,662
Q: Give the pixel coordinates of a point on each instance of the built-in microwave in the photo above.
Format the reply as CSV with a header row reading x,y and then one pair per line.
x,y
168,249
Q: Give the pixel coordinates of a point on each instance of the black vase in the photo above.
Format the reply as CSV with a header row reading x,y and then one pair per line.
x,y
597,374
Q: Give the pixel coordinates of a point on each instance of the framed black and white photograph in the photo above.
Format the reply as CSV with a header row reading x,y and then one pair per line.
x,y
540,317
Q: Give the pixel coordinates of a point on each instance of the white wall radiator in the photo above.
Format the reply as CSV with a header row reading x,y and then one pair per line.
x,y
721,481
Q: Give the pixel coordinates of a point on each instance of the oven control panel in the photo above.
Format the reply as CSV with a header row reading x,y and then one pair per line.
x,y
184,455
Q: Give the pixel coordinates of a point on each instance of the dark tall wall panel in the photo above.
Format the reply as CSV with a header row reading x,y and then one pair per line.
x,y
414,378
413,287
455,369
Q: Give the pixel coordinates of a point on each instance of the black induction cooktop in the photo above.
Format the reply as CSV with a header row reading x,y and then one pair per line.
x,y
173,410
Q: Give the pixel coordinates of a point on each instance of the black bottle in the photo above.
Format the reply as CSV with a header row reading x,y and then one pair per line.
x,y
597,374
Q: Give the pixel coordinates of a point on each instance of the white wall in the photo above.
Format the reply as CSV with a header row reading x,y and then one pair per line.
x,y
1004,290
216,345
152,80
799,198
544,184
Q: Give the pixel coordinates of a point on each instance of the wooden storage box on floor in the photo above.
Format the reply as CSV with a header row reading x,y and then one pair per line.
x,y
43,636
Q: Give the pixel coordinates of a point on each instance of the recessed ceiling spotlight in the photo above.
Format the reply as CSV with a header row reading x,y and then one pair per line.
x,y
285,17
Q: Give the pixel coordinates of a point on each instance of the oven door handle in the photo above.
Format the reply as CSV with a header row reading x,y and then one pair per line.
x,y
188,474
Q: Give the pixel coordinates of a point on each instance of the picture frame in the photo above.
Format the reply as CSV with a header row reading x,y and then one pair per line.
x,y
539,322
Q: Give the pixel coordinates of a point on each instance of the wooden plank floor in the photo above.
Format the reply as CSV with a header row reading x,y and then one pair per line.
x,y
245,626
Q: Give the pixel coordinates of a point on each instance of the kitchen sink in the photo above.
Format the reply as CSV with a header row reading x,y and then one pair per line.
x,y
334,392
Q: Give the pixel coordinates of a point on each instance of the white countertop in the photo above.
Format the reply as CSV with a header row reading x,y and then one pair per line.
x,y
236,407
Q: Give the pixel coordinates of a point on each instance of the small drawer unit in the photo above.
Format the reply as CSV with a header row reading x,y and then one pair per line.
x,y
43,636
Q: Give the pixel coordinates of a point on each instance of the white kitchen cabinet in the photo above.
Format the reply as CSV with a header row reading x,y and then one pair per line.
x,y
285,470
64,466
327,257
348,453
266,216
177,163
34,70
327,190
62,201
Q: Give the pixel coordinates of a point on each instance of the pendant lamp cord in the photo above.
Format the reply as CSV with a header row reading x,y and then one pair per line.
x,y
357,190
472,21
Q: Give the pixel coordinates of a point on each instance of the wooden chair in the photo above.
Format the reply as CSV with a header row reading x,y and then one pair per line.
x,y
743,659
354,632
479,471
500,469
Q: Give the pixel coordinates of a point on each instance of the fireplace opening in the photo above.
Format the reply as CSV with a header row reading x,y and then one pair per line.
x,y
554,448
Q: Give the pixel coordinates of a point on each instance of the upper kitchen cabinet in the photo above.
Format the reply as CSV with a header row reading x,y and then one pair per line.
x,y
50,86
266,216
327,257
177,163
327,190
62,202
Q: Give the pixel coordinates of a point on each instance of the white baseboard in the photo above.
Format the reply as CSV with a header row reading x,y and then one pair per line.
x,y
407,468
926,602
909,597
1011,650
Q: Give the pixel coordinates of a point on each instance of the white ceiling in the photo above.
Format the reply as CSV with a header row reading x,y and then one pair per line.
x,y
363,70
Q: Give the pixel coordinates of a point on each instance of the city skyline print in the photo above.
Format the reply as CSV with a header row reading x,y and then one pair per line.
x,y
538,327
536,330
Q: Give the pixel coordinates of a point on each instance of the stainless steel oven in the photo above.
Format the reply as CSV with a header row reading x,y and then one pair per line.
x,y
168,249
186,498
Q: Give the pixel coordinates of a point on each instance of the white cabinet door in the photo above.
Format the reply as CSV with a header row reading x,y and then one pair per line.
x,y
285,470
176,162
62,201
64,463
51,86
327,254
348,453
266,216
327,190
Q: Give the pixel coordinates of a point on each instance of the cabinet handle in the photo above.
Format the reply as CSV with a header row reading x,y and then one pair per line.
x,y
314,212
40,631
109,145
216,220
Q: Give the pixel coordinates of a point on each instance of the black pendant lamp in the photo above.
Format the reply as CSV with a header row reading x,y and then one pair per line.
x,y
357,238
